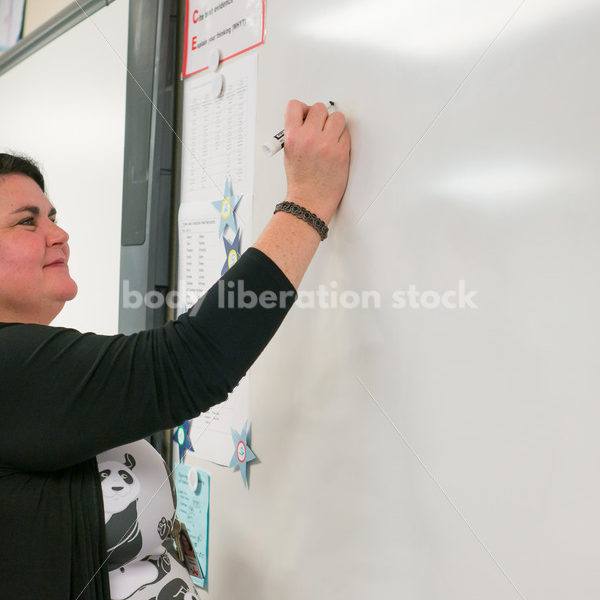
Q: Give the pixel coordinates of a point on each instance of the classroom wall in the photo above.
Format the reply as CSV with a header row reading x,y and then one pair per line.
x,y
431,453
65,107
404,452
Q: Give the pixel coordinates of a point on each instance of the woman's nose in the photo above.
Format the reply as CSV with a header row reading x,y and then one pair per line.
x,y
57,235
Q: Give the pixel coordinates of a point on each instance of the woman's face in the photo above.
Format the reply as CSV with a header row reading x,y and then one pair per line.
x,y
34,276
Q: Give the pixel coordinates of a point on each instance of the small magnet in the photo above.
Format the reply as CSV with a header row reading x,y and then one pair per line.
x,y
217,85
193,479
214,58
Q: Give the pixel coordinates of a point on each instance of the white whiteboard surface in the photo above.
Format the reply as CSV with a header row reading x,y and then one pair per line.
x,y
432,453
65,107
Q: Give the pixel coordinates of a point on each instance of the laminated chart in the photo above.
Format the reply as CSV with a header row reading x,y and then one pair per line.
x,y
215,211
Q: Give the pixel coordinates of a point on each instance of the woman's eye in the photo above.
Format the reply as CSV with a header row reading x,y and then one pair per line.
x,y
30,221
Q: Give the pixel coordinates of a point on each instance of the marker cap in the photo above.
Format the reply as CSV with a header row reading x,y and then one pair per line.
x,y
272,146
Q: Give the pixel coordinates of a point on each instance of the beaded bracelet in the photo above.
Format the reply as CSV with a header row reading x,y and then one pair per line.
x,y
302,213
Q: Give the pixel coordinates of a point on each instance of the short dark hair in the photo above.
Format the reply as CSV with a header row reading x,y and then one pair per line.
x,y
21,165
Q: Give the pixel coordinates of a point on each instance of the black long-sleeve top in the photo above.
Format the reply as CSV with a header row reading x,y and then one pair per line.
x,y
68,396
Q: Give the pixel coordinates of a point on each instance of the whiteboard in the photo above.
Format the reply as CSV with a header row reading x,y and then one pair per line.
x,y
431,453
65,107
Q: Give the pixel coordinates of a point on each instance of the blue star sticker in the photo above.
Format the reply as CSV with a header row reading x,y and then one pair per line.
x,y
242,454
232,251
182,438
226,206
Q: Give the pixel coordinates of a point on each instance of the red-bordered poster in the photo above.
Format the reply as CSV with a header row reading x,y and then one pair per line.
x,y
230,26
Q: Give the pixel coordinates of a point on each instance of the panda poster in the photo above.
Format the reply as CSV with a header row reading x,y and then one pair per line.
x,y
140,502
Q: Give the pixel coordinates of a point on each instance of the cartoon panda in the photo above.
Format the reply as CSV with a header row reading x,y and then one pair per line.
x,y
135,577
120,491
139,511
177,589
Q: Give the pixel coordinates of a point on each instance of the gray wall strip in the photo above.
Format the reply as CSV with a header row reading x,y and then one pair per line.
x,y
53,28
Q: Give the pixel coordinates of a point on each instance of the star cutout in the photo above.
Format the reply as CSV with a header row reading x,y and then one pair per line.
x,y
242,454
182,438
226,206
232,250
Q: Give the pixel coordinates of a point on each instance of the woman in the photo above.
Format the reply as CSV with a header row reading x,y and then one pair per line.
x,y
68,397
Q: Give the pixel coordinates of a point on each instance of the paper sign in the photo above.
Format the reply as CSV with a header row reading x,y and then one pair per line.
x,y
218,146
230,26
192,510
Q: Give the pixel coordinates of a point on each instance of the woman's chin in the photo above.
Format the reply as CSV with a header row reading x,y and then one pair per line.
x,y
71,292
59,284
66,291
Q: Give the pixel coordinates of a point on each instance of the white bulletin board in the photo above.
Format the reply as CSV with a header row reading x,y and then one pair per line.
x,y
443,444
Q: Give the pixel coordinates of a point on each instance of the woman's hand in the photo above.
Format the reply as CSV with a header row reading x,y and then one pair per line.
x,y
317,157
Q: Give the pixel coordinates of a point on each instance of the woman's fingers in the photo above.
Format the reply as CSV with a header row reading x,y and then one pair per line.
x,y
295,113
316,117
298,114
335,125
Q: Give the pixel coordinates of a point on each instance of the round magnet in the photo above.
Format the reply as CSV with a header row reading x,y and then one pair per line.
x,y
217,85
214,58
193,479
